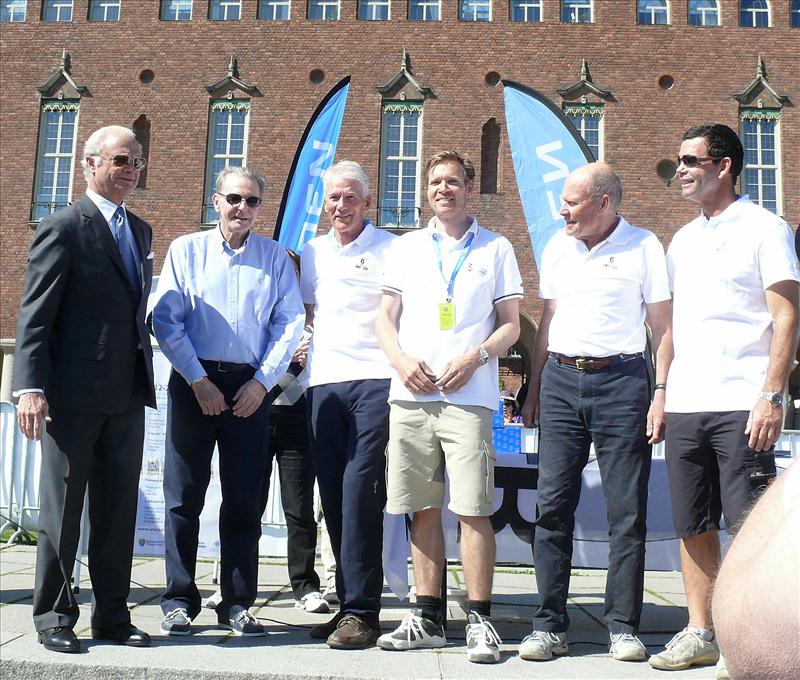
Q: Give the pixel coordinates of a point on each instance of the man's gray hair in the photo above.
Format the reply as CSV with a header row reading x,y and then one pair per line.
x,y
94,144
239,171
348,170
603,180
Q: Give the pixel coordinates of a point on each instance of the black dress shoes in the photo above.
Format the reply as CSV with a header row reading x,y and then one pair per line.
x,y
126,634
59,639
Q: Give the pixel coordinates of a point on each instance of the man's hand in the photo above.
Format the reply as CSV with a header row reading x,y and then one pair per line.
x,y
530,409
764,425
301,353
457,372
656,419
32,413
211,401
248,398
416,375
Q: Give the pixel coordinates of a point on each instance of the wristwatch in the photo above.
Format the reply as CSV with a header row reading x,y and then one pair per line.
x,y
484,355
774,398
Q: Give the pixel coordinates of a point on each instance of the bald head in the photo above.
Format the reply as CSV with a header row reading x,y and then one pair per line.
x,y
600,180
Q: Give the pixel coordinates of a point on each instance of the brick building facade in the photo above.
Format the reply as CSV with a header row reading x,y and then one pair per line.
x,y
646,82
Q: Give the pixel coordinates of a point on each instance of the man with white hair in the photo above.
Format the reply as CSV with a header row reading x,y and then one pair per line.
x,y
83,374
347,399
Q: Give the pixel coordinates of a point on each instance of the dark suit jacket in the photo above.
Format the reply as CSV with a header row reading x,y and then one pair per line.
x,y
80,322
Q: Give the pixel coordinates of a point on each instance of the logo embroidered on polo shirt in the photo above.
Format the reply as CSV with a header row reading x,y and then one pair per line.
x,y
610,264
362,264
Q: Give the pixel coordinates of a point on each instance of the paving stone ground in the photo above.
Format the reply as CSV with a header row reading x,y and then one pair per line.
x,y
289,653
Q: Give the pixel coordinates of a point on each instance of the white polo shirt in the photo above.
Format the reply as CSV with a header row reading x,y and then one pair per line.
x,y
488,275
343,284
719,269
601,293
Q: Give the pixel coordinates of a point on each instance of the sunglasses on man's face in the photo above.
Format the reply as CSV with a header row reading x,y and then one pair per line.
x,y
121,160
236,199
695,161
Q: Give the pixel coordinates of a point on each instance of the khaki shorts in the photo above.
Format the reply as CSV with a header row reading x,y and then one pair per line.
x,y
426,436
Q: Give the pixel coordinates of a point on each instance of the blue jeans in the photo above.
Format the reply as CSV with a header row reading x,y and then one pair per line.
x,y
607,407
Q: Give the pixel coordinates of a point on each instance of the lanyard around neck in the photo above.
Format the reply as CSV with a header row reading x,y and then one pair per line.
x,y
464,252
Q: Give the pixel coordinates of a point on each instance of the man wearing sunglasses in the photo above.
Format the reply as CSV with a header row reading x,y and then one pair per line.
x,y
83,374
734,280
228,316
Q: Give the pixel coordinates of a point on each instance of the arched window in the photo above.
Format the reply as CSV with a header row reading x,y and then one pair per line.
x,y
490,151
141,128
704,13
754,13
652,12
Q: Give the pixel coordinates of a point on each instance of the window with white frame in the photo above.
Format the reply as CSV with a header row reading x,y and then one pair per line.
x,y
794,10
275,10
652,12
57,10
475,10
225,10
324,10
13,11
588,121
227,145
754,13
761,172
56,157
176,10
577,11
374,10
704,13
399,201
425,10
104,10
526,10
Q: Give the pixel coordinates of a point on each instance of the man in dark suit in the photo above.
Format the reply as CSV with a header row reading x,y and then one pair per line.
x,y
83,374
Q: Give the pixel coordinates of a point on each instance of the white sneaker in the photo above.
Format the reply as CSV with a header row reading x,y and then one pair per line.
x,y
177,622
721,671
541,645
687,648
312,602
483,642
627,647
414,632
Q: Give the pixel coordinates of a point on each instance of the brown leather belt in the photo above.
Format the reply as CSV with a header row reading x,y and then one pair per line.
x,y
592,363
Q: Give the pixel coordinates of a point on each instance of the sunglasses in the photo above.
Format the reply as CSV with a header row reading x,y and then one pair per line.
x,y
236,199
695,161
121,160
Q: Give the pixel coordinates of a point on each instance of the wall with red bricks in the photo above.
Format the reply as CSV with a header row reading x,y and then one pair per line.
x,y
643,123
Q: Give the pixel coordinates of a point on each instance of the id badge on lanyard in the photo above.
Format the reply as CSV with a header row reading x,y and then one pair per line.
x,y
447,309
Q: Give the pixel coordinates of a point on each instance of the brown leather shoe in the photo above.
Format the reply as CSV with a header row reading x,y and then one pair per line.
x,y
323,631
353,633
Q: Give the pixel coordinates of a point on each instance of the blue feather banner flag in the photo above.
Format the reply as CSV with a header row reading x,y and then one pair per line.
x,y
545,148
303,196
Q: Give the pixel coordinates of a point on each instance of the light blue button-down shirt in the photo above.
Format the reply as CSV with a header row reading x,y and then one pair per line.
x,y
241,306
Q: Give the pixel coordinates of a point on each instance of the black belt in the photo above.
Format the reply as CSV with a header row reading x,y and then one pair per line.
x,y
225,366
592,363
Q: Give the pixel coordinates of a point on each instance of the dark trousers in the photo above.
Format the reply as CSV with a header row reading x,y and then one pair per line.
x,y
349,430
288,444
243,469
105,453
607,407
